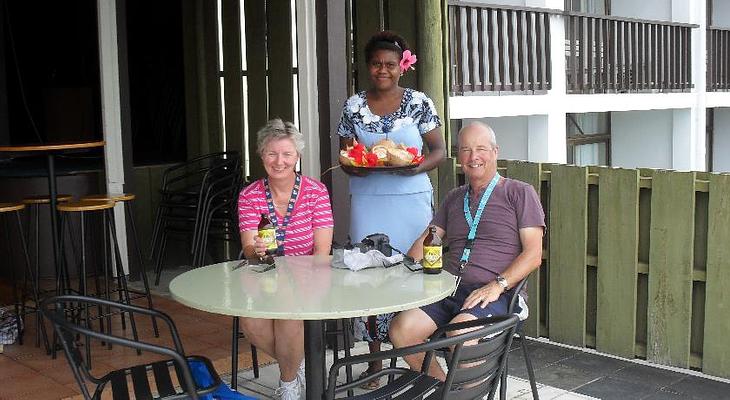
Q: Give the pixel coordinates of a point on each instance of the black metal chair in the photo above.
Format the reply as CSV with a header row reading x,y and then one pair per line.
x,y
523,344
182,194
473,370
218,211
59,310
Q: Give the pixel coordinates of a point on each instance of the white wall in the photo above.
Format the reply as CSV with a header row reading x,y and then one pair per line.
x,y
646,9
642,139
721,141
721,13
511,135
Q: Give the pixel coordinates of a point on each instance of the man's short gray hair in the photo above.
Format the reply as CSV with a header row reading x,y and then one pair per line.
x,y
276,129
488,129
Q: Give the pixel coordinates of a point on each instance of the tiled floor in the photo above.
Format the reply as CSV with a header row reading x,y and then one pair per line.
x,y
603,377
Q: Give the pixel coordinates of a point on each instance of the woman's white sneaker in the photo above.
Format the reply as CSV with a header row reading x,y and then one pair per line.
x,y
289,390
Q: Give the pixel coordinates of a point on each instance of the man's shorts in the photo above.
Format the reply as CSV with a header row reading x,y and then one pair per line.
x,y
444,311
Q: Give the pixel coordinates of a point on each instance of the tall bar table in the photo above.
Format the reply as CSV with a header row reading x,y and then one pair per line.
x,y
51,150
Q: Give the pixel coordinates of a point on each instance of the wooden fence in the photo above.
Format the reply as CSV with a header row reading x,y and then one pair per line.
x,y
636,262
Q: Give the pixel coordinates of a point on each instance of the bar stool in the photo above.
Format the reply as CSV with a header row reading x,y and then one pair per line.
x,y
110,248
126,199
6,211
33,203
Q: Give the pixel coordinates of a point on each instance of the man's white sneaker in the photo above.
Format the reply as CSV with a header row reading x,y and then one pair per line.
x,y
288,390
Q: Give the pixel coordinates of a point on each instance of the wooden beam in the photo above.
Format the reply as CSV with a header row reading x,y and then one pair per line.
x,y
281,89
716,352
618,244
258,110
670,268
567,259
232,79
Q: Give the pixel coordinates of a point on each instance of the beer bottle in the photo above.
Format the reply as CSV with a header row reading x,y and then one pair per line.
x,y
432,261
267,233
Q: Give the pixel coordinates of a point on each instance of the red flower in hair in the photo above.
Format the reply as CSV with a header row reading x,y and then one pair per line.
x,y
407,61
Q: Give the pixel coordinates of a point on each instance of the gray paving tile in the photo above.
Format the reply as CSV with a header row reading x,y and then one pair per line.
x,y
665,394
611,388
595,363
565,377
541,354
646,374
693,387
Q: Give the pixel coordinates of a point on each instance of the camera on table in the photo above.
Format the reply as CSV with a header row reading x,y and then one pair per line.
x,y
376,241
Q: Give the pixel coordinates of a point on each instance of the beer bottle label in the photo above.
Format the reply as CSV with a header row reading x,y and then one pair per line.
x,y
432,257
269,237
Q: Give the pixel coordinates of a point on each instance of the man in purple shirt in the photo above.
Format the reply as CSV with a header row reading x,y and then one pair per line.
x,y
502,248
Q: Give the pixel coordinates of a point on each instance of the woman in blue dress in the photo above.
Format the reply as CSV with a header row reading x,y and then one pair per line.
x,y
397,204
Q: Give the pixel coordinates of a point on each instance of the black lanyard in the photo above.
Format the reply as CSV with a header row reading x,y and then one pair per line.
x,y
281,229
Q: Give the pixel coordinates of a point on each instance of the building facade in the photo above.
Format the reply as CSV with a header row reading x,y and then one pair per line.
x,y
596,82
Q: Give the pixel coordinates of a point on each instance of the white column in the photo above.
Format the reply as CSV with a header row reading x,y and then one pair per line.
x,y
682,139
111,113
308,99
555,134
698,15
546,138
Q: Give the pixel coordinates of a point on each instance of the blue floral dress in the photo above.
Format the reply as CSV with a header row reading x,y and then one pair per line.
x,y
399,206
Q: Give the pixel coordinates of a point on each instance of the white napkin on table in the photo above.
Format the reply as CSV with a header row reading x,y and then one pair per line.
x,y
354,260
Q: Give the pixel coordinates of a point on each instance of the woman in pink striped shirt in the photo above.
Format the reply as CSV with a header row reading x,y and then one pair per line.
x,y
299,207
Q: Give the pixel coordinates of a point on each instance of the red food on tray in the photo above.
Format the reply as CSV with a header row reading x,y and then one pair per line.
x,y
385,154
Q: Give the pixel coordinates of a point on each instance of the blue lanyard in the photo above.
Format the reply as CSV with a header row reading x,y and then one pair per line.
x,y
281,229
474,222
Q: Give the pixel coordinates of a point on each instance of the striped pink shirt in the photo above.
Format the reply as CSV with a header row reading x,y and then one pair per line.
x,y
312,210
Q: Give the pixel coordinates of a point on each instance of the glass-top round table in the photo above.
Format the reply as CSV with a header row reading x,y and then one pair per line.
x,y
308,288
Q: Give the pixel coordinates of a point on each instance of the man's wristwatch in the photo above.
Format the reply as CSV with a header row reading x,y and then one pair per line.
x,y
502,282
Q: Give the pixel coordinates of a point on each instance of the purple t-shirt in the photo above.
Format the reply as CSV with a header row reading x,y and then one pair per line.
x,y
513,205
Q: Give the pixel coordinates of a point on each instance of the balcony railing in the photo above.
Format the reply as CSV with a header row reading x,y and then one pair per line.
x,y
499,48
607,54
718,59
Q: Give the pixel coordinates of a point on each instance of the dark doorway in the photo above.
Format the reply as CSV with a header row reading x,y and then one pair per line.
x,y
156,81
51,70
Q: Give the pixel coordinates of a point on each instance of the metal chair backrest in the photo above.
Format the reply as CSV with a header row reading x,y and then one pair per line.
x,y
474,367
479,362
62,312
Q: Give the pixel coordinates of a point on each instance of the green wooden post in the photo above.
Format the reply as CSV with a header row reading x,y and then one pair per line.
x,y
212,139
618,242
716,351
144,213
403,17
567,258
258,111
670,268
192,74
232,67
430,68
367,23
530,173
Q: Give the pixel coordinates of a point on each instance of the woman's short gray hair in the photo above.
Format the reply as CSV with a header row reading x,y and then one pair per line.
x,y
277,129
